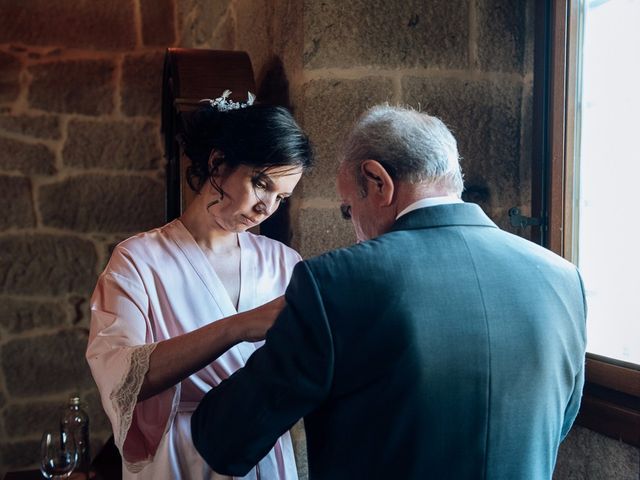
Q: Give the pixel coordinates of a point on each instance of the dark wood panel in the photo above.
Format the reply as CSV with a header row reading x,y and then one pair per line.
x,y
191,75
616,377
198,74
611,419
557,129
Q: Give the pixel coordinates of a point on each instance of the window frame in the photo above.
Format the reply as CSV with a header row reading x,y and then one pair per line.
x,y
611,398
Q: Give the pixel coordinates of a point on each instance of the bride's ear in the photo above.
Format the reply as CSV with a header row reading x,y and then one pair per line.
x,y
216,159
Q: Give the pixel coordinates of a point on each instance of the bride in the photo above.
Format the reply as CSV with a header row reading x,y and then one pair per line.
x,y
164,328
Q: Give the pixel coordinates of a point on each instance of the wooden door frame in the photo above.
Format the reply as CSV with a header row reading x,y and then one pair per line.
x,y
611,399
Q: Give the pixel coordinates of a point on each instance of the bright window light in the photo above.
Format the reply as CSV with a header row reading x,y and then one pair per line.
x,y
608,176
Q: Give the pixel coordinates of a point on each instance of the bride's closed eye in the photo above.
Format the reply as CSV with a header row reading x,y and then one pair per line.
x,y
259,182
262,185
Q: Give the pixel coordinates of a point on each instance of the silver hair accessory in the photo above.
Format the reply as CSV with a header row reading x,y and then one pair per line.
x,y
223,103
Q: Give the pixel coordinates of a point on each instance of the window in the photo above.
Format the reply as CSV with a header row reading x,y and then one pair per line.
x,y
586,105
607,168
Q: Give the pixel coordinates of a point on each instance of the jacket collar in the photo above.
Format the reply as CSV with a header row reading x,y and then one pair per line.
x,y
448,215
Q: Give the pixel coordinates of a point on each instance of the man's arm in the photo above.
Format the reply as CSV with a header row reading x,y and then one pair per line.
x,y
176,358
238,422
571,412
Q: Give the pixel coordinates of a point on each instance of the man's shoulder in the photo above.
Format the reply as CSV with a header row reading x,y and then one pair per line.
x,y
536,252
351,260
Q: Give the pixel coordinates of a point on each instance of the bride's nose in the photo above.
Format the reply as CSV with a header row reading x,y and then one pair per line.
x,y
265,206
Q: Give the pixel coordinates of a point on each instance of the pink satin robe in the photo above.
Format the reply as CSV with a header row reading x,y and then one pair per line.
x,y
158,285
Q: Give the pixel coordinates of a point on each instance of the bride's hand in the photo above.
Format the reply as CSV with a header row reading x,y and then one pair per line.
x,y
256,322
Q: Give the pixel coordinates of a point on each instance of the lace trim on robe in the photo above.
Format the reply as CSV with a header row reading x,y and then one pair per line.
x,y
125,397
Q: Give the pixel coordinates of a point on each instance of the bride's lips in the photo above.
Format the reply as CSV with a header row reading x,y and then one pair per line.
x,y
249,221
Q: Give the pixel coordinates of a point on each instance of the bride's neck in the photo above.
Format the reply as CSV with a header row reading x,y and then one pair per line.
x,y
205,232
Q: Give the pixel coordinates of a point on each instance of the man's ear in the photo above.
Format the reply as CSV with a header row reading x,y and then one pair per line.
x,y
380,180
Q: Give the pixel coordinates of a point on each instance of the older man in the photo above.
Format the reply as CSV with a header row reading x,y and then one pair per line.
x,y
437,347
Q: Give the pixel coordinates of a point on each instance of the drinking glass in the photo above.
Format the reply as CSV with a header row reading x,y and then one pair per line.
x,y
59,454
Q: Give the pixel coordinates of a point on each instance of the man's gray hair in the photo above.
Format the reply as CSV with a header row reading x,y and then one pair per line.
x,y
412,146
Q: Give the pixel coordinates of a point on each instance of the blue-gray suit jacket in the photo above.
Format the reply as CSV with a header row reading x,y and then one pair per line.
x,y
444,349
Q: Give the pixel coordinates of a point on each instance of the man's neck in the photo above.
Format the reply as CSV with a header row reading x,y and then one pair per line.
x,y
429,202
409,194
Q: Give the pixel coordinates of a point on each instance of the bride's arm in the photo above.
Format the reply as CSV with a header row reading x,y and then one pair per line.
x,y
175,359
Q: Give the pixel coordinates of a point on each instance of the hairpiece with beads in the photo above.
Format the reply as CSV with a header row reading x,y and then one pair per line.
x,y
223,103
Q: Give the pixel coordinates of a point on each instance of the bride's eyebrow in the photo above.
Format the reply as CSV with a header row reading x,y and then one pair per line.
x,y
262,175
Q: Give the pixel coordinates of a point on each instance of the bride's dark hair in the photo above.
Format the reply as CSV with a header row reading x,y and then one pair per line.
x,y
258,136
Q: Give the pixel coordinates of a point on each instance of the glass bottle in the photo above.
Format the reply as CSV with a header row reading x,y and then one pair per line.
x,y
75,420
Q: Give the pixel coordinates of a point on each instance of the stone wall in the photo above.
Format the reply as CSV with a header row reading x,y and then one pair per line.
x,y
81,168
81,163
469,63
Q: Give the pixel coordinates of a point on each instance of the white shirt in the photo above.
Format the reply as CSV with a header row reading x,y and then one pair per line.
x,y
430,202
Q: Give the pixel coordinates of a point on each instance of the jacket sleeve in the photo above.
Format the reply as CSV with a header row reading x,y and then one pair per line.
x,y
571,412
573,406
238,422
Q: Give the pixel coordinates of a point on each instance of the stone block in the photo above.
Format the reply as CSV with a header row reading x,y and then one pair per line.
x,y
27,158
18,315
501,34
330,108
197,20
158,22
386,34
30,364
587,454
112,145
46,264
98,420
81,309
88,25
16,203
19,454
485,118
529,37
319,230
253,30
107,249
142,84
288,35
73,86
40,126
299,440
94,203
527,146
31,418
224,37
10,68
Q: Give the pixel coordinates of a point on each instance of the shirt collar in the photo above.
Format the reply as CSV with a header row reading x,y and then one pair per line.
x,y
430,202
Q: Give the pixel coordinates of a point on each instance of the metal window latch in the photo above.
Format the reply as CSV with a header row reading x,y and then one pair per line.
x,y
521,221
